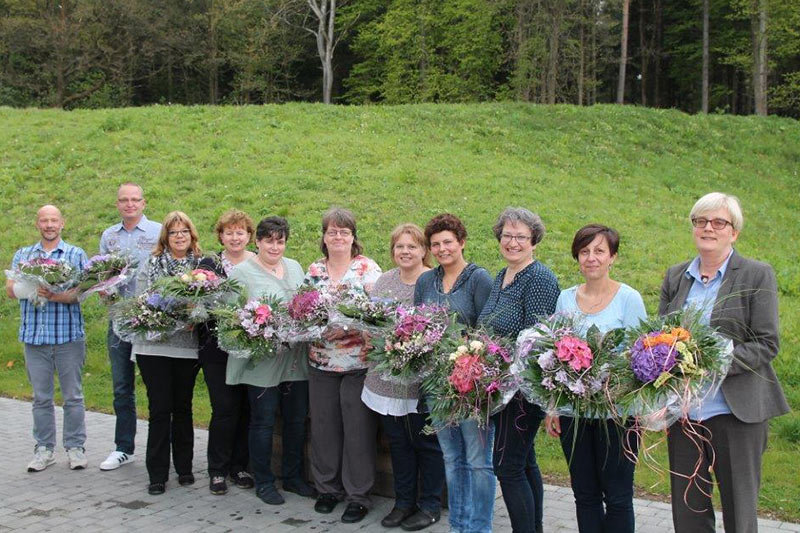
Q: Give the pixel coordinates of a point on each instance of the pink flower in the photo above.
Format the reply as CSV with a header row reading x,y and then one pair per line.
x,y
574,351
493,386
495,349
466,371
263,313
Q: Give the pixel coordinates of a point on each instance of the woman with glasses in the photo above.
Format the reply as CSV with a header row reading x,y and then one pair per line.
x,y
523,292
343,429
227,431
416,456
169,366
600,471
739,297
462,287
274,382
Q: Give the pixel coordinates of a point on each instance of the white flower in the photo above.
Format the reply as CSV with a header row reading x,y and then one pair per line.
x,y
200,277
454,355
186,277
462,349
476,346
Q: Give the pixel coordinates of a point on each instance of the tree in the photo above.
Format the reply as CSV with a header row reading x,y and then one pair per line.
x,y
623,54
759,22
704,98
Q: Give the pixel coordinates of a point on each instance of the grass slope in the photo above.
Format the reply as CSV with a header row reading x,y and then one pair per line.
x,y
639,170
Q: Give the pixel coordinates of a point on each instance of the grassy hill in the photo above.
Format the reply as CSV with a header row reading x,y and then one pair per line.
x,y
639,170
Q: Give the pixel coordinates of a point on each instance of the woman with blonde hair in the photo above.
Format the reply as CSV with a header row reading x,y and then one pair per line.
x,y
169,366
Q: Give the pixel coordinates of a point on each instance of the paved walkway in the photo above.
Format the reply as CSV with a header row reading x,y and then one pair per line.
x,y
89,500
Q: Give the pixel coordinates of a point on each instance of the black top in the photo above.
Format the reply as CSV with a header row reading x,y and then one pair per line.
x,y
526,300
208,350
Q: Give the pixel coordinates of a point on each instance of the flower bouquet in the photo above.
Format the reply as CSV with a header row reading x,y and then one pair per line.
x,y
308,313
565,371
151,316
472,381
42,272
202,290
250,329
407,353
669,365
356,310
105,273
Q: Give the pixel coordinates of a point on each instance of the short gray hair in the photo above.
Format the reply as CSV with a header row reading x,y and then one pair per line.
x,y
717,200
523,216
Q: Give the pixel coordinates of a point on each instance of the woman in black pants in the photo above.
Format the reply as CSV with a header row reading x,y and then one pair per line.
x,y
228,454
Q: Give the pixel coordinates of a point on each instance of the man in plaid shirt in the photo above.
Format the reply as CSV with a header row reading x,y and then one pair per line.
x,y
53,336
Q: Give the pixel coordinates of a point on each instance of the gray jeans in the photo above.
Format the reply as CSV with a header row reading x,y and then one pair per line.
x,y
42,362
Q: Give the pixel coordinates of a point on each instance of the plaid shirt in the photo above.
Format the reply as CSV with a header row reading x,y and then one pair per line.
x,y
55,323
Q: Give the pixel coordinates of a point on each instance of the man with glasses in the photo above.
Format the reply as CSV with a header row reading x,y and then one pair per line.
x,y
54,339
135,235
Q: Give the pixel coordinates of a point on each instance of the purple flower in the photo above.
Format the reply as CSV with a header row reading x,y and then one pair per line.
x,y
547,360
548,384
578,388
562,377
648,363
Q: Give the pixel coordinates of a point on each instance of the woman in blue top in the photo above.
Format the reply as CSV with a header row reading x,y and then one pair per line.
x,y
523,292
599,470
463,287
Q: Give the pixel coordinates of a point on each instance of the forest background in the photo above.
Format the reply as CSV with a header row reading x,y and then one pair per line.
x,y
728,56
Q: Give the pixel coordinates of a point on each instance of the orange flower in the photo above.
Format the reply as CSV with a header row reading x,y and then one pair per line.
x,y
681,334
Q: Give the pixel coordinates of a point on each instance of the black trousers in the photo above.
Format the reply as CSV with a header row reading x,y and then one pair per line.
x,y
228,450
170,385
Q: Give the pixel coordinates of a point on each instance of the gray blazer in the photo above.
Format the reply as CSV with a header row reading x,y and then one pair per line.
x,y
746,311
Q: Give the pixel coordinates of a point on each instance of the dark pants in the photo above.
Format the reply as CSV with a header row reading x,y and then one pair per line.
x,y
415,456
292,398
170,384
737,448
600,473
123,375
514,461
230,417
343,435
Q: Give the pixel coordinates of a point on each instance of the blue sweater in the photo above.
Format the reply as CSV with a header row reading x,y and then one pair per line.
x,y
467,296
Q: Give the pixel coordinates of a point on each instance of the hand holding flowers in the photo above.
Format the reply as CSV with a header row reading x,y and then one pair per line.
x,y
250,330
201,289
104,274
42,273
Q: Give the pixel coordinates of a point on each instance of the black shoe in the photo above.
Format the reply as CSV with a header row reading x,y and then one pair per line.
x,y
419,520
185,479
326,503
299,487
217,485
397,515
156,488
355,512
270,495
243,480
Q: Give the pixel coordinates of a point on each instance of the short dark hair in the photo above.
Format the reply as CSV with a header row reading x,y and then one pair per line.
x,y
275,227
341,218
585,236
445,222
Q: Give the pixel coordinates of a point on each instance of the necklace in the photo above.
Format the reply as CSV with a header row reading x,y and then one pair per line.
x,y
268,268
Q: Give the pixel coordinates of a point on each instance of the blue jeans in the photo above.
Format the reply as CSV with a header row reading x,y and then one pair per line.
x,y
470,480
123,378
600,473
515,465
292,398
414,456
41,363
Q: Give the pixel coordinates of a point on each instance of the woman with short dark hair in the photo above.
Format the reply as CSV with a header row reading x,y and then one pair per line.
x,y
462,287
601,472
280,381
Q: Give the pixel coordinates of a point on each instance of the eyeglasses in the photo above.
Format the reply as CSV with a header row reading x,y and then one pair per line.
x,y
521,239
716,223
129,200
175,233
340,232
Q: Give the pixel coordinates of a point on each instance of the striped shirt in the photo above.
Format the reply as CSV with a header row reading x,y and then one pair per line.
x,y
55,323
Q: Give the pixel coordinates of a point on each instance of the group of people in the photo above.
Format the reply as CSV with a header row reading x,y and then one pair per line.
x,y
332,383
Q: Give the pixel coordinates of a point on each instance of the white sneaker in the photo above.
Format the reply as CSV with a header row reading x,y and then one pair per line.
x,y
42,458
116,460
77,459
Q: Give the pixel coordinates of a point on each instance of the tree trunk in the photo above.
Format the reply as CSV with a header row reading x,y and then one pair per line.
x,y
213,75
656,51
643,53
325,11
553,63
581,66
593,90
704,97
623,54
759,23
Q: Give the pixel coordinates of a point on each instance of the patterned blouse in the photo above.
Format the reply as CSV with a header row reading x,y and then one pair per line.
x,y
348,353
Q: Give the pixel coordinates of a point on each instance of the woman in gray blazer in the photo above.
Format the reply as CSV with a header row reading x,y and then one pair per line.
x,y
738,296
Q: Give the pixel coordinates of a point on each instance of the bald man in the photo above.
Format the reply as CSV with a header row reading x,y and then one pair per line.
x,y
53,337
